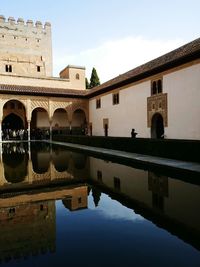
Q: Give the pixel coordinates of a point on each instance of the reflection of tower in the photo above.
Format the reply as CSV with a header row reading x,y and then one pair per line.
x,y
159,186
77,198
27,229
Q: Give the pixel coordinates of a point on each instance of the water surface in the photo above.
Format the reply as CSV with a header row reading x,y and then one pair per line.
x,y
63,208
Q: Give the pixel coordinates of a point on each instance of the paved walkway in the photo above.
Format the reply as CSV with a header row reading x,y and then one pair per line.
x,y
138,158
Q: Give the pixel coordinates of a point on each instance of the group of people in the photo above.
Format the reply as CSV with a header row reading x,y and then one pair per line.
x,y
12,134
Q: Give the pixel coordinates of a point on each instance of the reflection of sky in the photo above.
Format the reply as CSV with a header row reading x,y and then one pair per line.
x,y
112,209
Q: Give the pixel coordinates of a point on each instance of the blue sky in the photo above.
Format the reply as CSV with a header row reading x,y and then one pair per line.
x,y
112,35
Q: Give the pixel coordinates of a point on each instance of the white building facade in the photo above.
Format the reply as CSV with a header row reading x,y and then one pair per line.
x,y
160,99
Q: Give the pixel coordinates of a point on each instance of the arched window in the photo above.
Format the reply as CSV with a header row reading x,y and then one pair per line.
x,y
154,88
77,76
159,83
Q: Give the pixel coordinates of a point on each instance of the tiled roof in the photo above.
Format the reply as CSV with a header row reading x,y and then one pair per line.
x,y
176,57
44,91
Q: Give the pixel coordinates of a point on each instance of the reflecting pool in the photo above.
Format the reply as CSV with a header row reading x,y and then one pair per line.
x,y
62,208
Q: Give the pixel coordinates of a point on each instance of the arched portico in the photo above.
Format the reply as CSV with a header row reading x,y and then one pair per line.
x,y
39,126
14,121
157,126
79,123
60,122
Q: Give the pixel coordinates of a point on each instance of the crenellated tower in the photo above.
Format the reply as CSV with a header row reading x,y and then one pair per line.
x,y
25,48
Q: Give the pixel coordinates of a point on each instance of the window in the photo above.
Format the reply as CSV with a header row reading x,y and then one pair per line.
x,y
98,103
8,68
38,68
77,76
156,87
38,40
99,176
79,200
3,36
11,210
116,99
117,184
15,37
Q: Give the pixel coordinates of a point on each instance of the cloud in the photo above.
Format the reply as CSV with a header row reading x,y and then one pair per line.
x,y
115,57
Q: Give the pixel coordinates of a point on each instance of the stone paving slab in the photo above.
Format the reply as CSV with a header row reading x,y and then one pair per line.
x,y
147,159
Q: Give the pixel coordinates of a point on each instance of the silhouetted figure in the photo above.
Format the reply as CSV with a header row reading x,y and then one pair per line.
x,y
133,133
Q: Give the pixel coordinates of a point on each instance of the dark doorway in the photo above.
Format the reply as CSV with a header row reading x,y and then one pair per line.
x,y
12,122
106,129
157,126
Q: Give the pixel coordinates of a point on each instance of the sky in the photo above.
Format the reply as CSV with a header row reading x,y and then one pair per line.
x,y
114,36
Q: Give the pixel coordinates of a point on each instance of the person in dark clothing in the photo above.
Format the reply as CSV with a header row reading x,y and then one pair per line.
x,y
133,133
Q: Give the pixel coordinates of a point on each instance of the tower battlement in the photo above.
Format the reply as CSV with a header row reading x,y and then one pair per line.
x,y
21,22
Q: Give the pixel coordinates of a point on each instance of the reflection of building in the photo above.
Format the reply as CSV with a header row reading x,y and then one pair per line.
x,y
27,229
166,201
159,186
151,98
42,165
77,199
28,221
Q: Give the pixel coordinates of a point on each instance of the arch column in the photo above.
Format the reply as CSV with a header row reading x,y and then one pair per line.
x,y
50,128
1,117
0,130
29,130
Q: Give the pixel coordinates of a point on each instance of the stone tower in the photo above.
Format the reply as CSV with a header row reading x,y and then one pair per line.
x,y
25,48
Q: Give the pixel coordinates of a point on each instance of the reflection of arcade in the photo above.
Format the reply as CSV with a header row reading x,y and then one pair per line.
x,y
170,203
15,160
59,164
28,222
43,165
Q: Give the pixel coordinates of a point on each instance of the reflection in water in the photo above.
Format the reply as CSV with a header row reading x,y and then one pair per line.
x,y
96,193
15,160
27,229
43,164
122,203
170,203
28,223
40,155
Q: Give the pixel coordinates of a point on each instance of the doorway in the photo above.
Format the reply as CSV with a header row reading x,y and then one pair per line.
x,y
157,126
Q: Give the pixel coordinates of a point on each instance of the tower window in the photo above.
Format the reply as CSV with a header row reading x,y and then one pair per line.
x,y
8,68
77,76
38,68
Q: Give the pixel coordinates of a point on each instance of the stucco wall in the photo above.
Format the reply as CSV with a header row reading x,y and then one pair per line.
x,y
41,82
183,89
129,113
183,108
